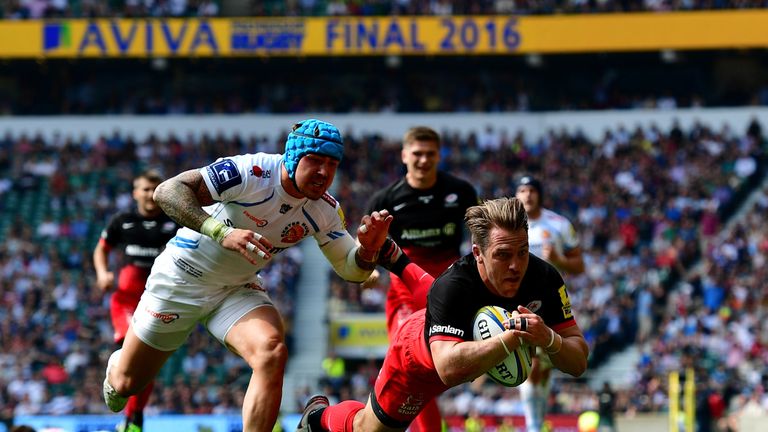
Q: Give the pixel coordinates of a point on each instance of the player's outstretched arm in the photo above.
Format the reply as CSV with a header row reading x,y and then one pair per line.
x,y
354,261
183,198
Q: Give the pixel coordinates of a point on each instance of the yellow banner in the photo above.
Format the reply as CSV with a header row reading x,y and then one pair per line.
x,y
359,335
347,36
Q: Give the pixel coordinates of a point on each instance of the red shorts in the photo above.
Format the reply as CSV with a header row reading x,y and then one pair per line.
x,y
408,379
130,286
403,300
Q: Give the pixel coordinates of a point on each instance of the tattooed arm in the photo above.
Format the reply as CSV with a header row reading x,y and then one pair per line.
x,y
183,198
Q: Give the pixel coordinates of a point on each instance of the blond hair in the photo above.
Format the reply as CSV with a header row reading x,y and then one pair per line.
x,y
421,133
505,213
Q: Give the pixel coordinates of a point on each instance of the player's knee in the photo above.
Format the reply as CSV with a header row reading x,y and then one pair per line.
x,y
269,352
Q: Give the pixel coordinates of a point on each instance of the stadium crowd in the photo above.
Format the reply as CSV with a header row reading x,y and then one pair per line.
x,y
172,86
51,9
484,7
716,323
35,9
647,203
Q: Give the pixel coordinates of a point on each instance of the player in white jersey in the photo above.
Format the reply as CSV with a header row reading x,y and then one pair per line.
x,y
553,238
237,214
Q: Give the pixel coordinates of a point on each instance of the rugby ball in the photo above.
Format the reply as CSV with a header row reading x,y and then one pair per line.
x,y
489,322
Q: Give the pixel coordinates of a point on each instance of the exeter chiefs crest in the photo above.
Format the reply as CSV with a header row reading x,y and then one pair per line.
x,y
294,232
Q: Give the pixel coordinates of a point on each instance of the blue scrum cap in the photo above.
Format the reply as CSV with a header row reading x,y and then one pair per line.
x,y
311,136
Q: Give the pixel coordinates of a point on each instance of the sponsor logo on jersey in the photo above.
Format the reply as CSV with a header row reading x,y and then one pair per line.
x,y
534,305
140,251
416,234
340,212
442,329
449,229
169,226
261,223
257,171
426,198
165,317
294,232
127,225
451,200
566,301
224,175
399,207
149,224
329,199
285,208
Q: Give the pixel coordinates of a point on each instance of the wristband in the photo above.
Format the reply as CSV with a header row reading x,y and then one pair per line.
x,y
504,345
551,339
215,229
558,348
363,251
362,262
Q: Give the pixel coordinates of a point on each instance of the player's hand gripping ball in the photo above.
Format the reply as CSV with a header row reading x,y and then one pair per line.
x,y
489,322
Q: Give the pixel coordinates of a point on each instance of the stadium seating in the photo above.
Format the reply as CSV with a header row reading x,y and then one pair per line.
x,y
650,204
623,269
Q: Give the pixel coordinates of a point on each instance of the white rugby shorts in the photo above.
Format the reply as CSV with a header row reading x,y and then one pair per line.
x,y
166,324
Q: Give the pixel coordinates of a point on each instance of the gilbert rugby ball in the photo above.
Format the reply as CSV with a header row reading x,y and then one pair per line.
x,y
489,322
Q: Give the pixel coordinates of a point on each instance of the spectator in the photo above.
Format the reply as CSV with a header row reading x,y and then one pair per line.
x,y
334,370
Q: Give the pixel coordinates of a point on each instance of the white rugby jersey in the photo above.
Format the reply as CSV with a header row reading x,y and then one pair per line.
x,y
250,197
551,228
